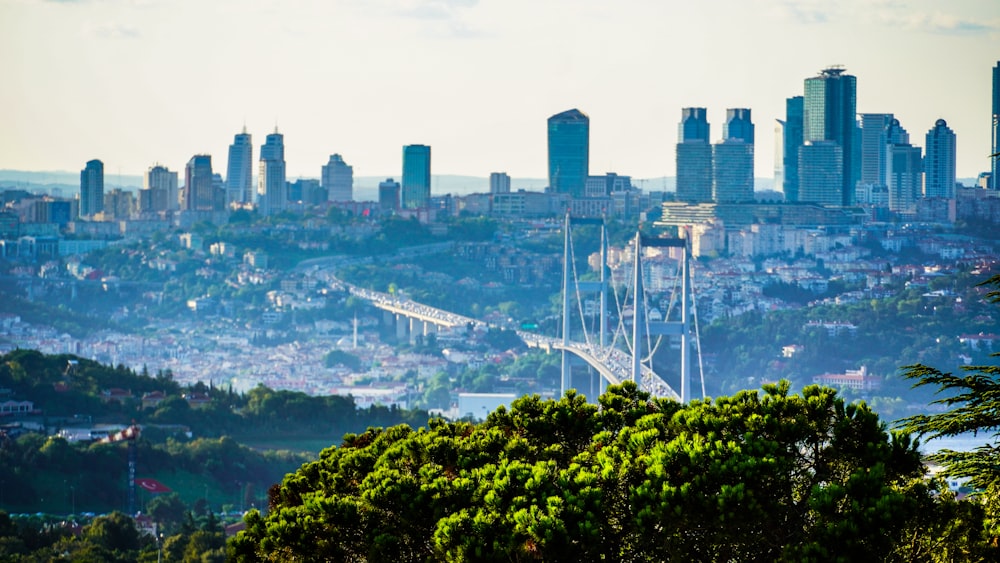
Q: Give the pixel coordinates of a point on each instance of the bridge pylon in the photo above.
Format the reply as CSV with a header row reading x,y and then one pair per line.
x,y
575,287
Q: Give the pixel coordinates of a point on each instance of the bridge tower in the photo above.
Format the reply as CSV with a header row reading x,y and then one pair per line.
x,y
641,328
571,286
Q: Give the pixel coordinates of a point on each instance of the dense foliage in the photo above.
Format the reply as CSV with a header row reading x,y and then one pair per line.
x,y
759,476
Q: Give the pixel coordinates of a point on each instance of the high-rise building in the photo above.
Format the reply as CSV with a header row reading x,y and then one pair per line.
x,y
939,162
92,188
732,171
416,189
272,189
821,169
198,193
995,145
388,195
119,204
791,142
875,128
732,159
338,179
569,152
829,108
499,183
239,174
159,190
738,125
694,157
905,174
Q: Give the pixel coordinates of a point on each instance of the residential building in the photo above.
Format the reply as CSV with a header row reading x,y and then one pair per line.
x,y
694,157
388,195
239,174
499,183
569,152
416,185
939,162
338,179
159,190
92,188
829,108
272,189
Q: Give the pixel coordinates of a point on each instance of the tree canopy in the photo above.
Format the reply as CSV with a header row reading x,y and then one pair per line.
x,y
758,476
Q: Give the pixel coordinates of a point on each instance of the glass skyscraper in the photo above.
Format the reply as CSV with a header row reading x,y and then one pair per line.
x,y
829,108
416,188
198,194
239,173
939,162
694,157
791,142
92,188
338,179
732,159
569,152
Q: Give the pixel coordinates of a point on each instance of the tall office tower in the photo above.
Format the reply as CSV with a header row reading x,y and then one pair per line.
x,y
732,171
738,125
792,141
821,169
829,108
939,162
338,179
388,195
569,152
694,157
159,190
272,190
416,176
875,128
198,193
995,146
239,174
92,188
499,183
904,180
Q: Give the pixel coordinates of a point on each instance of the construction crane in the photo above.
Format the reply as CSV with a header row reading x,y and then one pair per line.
x,y
129,435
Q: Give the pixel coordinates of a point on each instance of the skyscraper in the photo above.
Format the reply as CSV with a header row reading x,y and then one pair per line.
x,y
939,162
732,171
995,146
338,179
569,152
499,183
732,159
694,157
198,193
821,169
904,169
239,174
792,141
874,138
92,188
829,108
416,188
272,191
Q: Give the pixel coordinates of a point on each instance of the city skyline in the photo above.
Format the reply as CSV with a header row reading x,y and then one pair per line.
x,y
437,63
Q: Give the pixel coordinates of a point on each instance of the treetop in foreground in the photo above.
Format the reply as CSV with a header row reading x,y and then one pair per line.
x,y
758,476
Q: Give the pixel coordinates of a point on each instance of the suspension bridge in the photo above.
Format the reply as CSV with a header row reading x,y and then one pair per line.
x,y
609,352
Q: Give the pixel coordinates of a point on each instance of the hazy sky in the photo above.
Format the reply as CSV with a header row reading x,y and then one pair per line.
x,y
135,82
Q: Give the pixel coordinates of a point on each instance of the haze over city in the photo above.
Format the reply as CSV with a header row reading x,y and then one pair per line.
x,y
138,82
